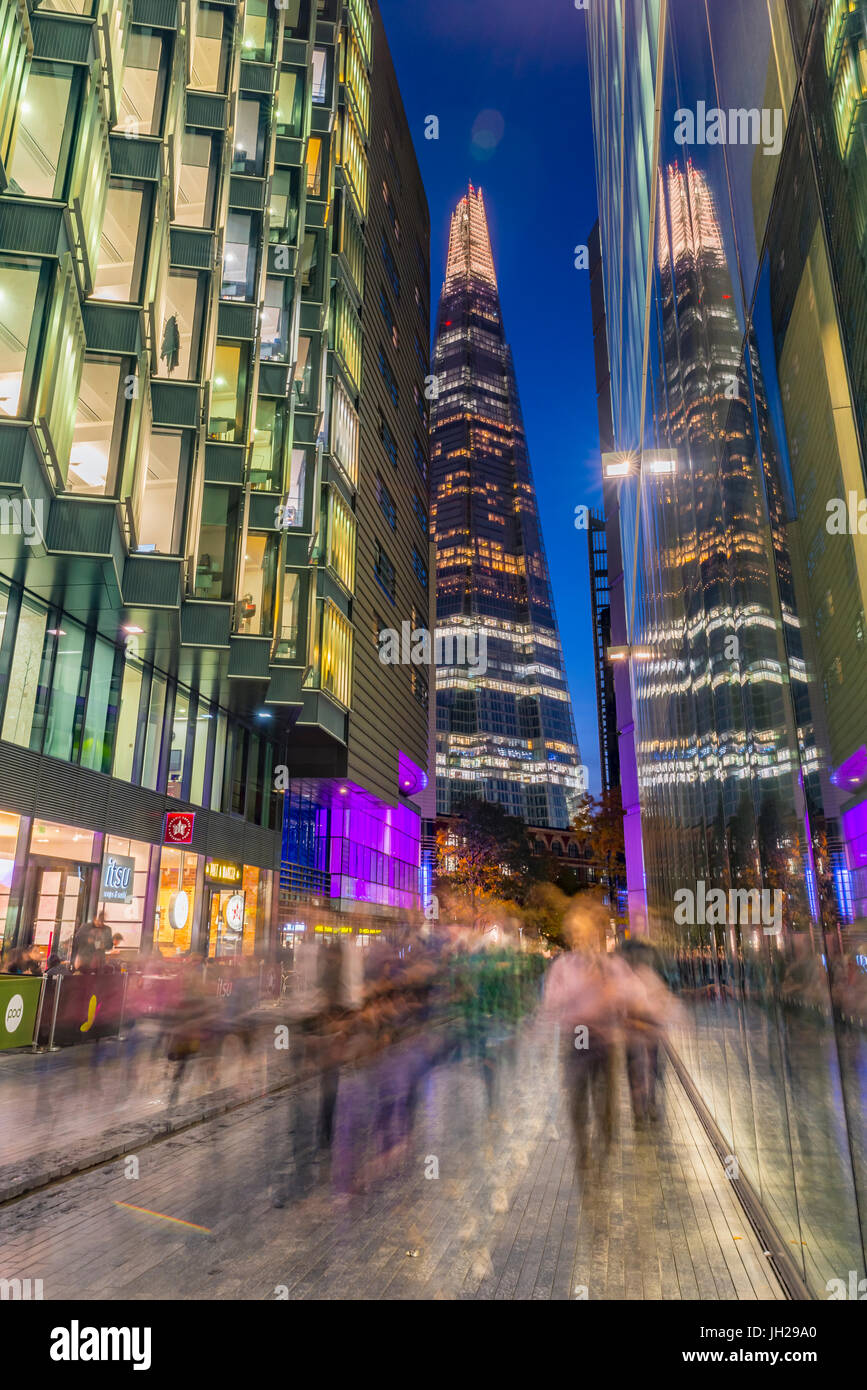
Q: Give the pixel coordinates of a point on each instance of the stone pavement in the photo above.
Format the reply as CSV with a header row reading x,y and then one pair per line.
x,y
477,1197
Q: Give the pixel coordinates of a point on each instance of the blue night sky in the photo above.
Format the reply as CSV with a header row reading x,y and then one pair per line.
x,y
523,71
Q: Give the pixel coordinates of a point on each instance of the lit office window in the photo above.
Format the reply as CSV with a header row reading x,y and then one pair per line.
x,y
340,553
144,78
101,709
266,463
210,49
24,675
197,183
128,720
283,224
98,432
183,316
335,655
154,732
274,345
160,522
239,256
228,393
344,430
121,250
290,613
293,510
249,148
290,103
19,288
319,91
215,568
255,610
43,142
314,167
258,38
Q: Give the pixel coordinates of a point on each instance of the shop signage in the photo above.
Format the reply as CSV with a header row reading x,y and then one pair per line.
x,y
19,1002
178,827
234,912
223,871
118,879
179,911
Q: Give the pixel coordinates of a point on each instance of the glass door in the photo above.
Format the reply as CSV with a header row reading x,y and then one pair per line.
x,y
59,905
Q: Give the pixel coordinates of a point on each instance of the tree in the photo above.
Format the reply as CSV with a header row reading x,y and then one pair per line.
x,y
599,822
484,855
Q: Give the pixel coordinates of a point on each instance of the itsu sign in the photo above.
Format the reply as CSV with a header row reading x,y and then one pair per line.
x,y
118,879
178,827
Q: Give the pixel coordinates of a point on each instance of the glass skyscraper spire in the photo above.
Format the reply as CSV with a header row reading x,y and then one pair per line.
x,y
505,730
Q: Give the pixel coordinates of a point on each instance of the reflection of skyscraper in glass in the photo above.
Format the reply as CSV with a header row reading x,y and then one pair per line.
x,y
505,734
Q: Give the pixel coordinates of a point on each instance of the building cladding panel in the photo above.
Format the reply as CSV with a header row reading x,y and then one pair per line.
x,y
732,163
504,734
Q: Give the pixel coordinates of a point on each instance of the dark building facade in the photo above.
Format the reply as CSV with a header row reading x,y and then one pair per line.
x,y
183,234
734,290
505,733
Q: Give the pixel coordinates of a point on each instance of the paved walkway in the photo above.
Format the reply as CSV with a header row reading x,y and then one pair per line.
x,y
508,1216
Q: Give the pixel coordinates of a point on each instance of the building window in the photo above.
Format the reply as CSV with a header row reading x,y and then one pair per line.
x,y
388,440
420,567
274,344
258,585
183,317
344,430
319,88
386,503
239,256
46,123
314,167
285,192
19,289
258,40
197,182
340,550
390,267
122,247
385,309
99,422
266,461
419,458
228,393
161,515
154,732
383,569
420,687
250,127
420,512
215,568
419,404
211,46
102,708
421,356
335,666
144,80
388,377
290,103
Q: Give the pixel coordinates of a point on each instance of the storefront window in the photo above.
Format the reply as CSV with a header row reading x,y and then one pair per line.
x,y
176,901
9,826
121,250
141,100
164,489
154,732
24,675
128,720
59,870
19,287
228,393
125,883
98,432
258,585
195,200
253,903
216,564
43,140
101,709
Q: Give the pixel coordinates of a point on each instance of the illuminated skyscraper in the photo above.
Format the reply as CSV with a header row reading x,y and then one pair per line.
x,y
505,730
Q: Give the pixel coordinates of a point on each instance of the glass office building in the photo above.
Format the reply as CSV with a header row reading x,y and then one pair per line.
x,y
184,218
732,183
505,733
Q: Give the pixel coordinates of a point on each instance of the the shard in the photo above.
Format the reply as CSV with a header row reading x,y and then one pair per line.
x,y
505,730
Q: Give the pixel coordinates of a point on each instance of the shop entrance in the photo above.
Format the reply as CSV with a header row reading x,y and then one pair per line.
x,y
225,922
56,897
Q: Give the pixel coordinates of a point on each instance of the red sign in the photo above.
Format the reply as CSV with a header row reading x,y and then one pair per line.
x,y
178,828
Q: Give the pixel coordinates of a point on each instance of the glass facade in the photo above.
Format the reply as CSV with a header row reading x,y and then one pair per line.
x,y
506,733
737,408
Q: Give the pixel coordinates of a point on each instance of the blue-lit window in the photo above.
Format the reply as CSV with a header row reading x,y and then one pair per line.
x,y
386,503
388,377
419,458
383,569
421,355
419,404
420,512
389,443
420,567
390,267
